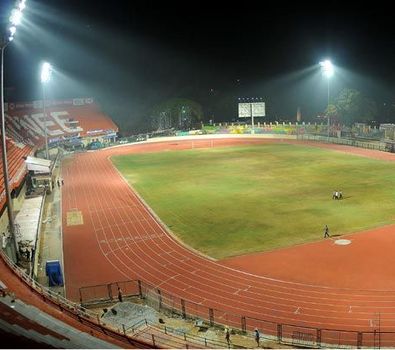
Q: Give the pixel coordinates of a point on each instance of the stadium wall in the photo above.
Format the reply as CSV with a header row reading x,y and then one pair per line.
x,y
17,204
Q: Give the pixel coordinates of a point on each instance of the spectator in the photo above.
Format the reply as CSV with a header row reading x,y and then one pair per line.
x,y
257,336
120,297
227,335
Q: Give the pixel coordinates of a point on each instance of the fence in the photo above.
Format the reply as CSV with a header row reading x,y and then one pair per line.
x,y
291,334
147,340
378,146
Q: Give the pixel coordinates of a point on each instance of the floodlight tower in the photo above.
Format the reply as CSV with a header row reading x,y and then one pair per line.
x,y
327,71
46,70
14,20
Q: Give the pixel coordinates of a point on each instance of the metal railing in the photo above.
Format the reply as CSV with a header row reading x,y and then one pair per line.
x,y
284,333
378,146
78,312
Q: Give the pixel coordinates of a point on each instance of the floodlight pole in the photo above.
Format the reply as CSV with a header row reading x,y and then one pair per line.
x,y
45,122
327,108
4,156
252,120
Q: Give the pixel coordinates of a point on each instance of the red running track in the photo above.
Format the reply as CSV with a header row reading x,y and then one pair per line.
x,y
121,240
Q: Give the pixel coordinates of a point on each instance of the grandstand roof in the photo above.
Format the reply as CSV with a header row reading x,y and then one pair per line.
x,y
16,153
64,119
38,164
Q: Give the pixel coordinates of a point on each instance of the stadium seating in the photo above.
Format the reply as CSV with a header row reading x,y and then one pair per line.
x,y
16,166
64,120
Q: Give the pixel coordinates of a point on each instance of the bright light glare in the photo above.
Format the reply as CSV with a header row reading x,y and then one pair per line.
x,y
12,30
327,68
46,70
16,17
22,5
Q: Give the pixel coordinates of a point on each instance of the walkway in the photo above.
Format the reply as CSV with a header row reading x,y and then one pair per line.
x,y
51,247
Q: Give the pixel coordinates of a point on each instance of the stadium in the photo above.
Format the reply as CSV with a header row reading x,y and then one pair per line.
x,y
317,292
193,233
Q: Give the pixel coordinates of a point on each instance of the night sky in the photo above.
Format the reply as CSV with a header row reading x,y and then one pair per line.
x,y
131,55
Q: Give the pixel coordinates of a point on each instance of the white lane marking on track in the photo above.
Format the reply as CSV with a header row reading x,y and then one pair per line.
x,y
166,253
242,290
168,279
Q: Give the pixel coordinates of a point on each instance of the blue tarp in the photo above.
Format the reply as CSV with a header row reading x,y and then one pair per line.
x,y
54,273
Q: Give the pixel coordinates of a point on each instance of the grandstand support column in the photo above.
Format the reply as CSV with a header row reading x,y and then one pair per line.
x,y
4,157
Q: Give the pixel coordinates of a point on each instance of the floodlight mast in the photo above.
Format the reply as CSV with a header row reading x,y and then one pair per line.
x,y
46,70
327,70
15,20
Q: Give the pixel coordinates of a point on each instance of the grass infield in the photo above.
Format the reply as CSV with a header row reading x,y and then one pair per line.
x,y
236,200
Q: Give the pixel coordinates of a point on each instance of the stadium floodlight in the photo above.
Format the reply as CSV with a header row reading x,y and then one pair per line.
x,y
22,5
327,70
46,70
15,19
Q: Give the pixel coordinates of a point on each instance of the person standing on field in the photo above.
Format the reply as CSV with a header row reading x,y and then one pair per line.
x,y
326,231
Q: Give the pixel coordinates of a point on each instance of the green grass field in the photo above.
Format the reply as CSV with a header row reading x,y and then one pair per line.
x,y
232,201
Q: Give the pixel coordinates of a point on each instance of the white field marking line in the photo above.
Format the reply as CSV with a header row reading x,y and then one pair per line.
x,y
145,209
294,283
157,221
105,254
267,278
172,261
134,261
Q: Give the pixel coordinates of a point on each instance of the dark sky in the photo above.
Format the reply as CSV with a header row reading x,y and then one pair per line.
x,y
131,55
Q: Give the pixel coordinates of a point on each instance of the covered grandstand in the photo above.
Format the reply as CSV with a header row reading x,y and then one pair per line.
x,y
65,120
